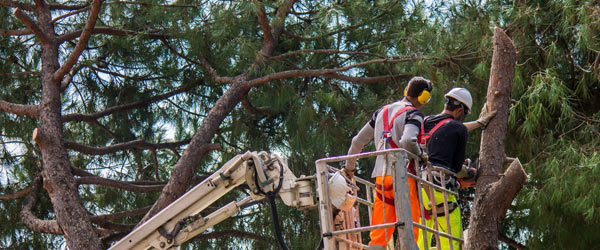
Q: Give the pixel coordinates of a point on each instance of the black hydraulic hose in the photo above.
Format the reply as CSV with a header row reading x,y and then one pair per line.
x,y
276,221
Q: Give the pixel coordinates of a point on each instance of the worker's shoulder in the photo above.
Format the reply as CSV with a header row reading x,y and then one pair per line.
x,y
457,125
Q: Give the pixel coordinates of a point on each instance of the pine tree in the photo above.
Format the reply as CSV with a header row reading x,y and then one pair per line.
x,y
160,84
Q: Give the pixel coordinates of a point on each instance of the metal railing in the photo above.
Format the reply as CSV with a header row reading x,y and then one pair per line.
x,y
349,237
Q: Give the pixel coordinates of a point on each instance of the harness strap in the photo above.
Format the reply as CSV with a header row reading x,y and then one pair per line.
x,y
438,207
387,126
425,136
389,201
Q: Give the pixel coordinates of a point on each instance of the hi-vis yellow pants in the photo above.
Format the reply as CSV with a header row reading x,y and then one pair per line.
x,y
455,224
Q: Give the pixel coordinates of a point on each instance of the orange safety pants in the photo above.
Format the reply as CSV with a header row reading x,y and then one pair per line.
x,y
378,236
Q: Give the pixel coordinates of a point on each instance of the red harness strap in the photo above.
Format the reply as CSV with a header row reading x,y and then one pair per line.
x,y
387,126
425,136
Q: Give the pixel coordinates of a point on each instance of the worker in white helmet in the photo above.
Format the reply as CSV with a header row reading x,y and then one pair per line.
x,y
445,139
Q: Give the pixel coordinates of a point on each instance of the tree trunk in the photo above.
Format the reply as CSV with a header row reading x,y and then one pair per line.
x,y
494,194
71,215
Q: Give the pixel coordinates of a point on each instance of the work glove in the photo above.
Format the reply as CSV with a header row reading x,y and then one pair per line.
x,y
471,175
485,117
423,158
349,173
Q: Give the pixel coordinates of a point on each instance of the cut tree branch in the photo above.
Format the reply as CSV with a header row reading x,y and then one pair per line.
x,y
81,44
29,218
19,109
123,108
31,25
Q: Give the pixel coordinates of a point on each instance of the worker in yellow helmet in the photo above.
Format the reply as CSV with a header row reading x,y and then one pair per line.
x,y
392,126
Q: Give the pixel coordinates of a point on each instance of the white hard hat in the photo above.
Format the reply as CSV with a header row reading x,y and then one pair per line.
x,y
340,193
462,95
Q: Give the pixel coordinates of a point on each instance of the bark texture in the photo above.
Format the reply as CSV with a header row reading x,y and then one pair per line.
x,y
72,217
493,193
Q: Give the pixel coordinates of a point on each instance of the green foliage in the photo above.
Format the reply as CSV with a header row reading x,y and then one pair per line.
x,y
553,122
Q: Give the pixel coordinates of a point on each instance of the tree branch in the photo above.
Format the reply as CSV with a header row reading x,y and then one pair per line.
x,y
52,6
137,144
504,191
123,108
119,184
118,215
264,23
30,220
55,6
250,108
138,78
326,51
166,5
54,20
19,194
15,32
14,4
203,62
81,44
110,31
368,80
33,73
115,226
320,72
233,233
31,25
19,109
511,242
299,38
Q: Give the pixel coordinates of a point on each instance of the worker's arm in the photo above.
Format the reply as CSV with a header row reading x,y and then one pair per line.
x,y
409,139
484,118
412,127
359,141
472,125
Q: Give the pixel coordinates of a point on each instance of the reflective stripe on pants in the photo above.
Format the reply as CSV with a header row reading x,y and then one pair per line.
x,y
378,235
455,223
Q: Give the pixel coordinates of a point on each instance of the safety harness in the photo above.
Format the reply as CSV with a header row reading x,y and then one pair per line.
x,y
387,137
387,126
424,139
425,136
